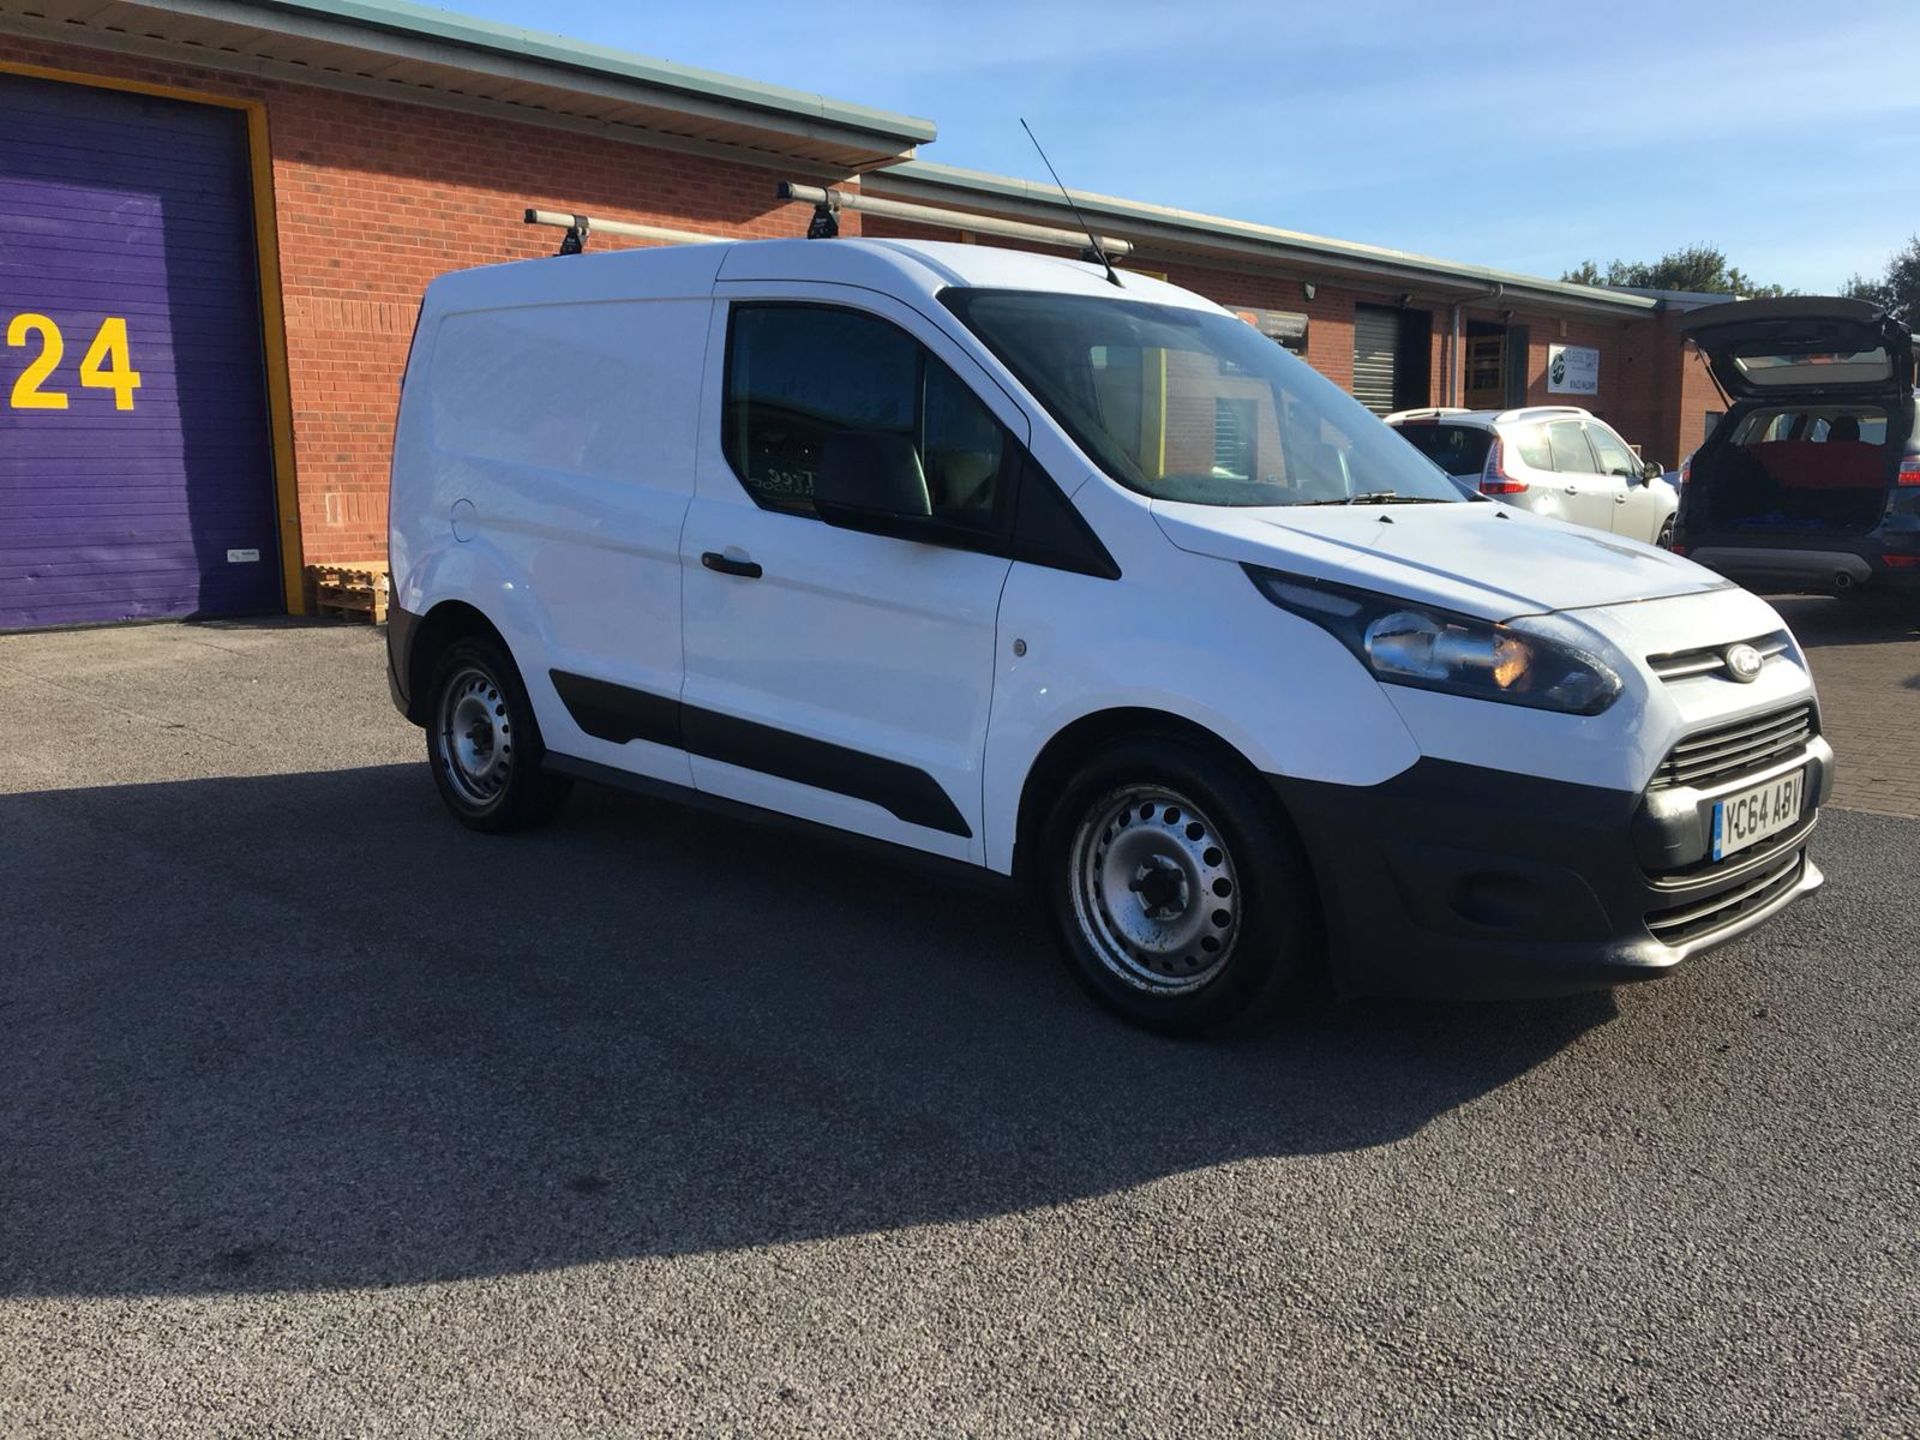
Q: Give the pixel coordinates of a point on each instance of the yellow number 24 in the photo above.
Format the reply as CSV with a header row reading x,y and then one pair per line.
x,y
106,366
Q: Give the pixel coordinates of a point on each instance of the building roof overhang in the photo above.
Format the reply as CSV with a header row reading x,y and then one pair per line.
x,y
1160,230
415,53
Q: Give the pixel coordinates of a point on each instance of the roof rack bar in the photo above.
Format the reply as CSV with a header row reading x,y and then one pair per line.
x,y
578,227
1075,240
1536,412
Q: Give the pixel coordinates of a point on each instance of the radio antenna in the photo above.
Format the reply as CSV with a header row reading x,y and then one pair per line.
x,y
1093,240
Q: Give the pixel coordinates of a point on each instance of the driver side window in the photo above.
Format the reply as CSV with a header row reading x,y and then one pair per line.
x,y
797,375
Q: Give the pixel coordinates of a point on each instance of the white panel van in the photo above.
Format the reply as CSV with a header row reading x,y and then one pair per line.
x,y
1091,586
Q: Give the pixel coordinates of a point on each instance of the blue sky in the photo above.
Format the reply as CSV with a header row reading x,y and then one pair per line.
x,y
1519,135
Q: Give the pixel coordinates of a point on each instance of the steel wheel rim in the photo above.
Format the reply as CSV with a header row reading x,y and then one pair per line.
x,y
474,737
1155,890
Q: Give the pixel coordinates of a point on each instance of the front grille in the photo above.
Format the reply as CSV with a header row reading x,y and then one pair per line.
x,y
1729,751
1682,923
1712,659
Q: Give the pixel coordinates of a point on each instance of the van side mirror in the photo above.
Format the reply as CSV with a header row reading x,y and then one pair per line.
x,y
1652,470
870,480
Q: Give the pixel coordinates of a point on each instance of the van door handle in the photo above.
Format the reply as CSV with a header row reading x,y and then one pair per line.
x,y
727,565
1573,490
1620,499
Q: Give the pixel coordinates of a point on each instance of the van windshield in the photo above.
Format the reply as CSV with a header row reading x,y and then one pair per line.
x,y
1186,405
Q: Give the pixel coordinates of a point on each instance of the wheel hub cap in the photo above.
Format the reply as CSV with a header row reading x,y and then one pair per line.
x,y
1162,887
476,737
1154,889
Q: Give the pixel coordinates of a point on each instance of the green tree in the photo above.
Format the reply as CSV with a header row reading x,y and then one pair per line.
x,y
1898,290
1697,267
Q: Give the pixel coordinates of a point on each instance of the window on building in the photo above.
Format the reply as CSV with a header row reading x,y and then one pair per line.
x,y
800,374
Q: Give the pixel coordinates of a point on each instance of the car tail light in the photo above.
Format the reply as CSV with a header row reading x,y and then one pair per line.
x,y
1494,480
1900,562
1909,471
1678,549
1686,470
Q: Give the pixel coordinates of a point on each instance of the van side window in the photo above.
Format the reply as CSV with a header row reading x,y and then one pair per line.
x,y
799,374
962,448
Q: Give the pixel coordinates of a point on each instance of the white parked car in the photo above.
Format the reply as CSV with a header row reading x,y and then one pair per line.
x,y
1556,460
976,554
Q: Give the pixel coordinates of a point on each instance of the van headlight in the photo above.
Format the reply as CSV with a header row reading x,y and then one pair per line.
x,y
1406,643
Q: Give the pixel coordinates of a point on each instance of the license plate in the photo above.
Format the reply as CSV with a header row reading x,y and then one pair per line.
x,y
1748,818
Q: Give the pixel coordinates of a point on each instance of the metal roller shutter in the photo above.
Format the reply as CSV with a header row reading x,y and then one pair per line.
x,y
1376,353
126,243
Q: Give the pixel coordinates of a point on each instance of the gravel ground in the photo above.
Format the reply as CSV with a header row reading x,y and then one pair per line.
x,y
320,1115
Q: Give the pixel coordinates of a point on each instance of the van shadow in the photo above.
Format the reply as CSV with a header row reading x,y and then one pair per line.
x,y
303,1032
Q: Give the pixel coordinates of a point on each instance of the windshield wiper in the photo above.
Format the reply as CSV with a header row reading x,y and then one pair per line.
x,y
1380,497
1365,497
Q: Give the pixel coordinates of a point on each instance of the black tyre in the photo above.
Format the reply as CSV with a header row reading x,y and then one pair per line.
x,y
1178,888
1665,538
484,744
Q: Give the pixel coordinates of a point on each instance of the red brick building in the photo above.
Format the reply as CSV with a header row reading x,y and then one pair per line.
x,y
218,217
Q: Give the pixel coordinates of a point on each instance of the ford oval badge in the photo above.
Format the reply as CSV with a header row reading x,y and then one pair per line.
x,y
1743,663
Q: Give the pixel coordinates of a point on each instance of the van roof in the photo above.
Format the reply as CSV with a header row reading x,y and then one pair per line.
x,y
904,268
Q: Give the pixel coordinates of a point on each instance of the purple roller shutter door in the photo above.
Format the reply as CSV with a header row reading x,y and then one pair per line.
x,y
117,206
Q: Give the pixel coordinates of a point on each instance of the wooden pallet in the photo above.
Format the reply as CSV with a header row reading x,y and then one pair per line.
x,y
349,592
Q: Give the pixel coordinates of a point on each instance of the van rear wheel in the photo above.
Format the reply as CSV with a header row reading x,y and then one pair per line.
x,y
1178,889
484,743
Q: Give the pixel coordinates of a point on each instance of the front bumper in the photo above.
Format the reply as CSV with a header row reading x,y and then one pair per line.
x,y
1458,880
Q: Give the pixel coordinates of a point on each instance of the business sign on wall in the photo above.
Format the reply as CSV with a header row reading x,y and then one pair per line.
x,y
1573,370
1289,327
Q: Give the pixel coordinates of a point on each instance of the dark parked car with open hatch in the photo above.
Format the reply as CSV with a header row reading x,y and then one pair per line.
x,y
1811,480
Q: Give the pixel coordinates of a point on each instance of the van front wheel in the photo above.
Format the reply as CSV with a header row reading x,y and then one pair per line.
x,y
484,744
1177,887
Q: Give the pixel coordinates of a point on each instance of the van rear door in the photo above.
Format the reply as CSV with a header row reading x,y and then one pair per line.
x,y
1804,347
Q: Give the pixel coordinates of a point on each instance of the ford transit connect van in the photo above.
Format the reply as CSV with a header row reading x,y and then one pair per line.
x,y
978,554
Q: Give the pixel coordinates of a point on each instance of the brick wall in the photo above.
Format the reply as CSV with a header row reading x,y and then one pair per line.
x,y
1617,384
1698,395
374,198
1677,391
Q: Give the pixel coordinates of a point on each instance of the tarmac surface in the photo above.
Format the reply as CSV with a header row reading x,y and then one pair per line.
x,y
321,1115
